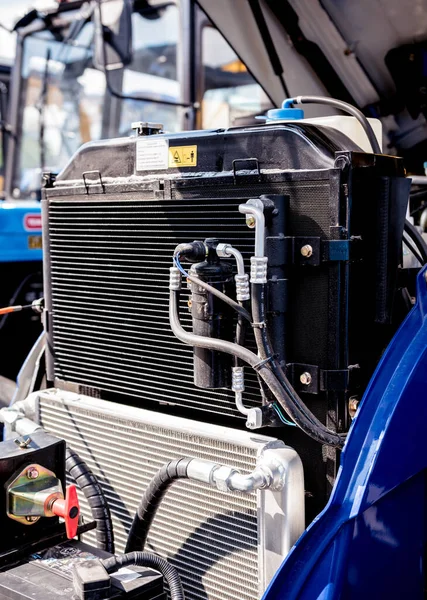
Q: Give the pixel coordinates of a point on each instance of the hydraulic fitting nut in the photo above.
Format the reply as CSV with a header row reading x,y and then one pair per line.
x,y
174,279
305,378
237,379
259,269
242,287
221,477
222,250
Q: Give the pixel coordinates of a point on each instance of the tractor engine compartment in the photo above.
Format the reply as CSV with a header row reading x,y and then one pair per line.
x,y
216,303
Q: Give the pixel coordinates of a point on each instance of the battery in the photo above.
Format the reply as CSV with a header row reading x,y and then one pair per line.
x,y
48,575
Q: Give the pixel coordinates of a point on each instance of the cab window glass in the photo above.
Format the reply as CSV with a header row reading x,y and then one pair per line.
x,y
62,104
153,70
230,91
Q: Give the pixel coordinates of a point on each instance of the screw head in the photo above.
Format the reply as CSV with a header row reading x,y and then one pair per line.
x,y
32,473
250,221
305,378
31,519
307,251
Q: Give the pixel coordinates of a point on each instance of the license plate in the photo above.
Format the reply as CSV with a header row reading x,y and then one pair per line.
x,y
35,242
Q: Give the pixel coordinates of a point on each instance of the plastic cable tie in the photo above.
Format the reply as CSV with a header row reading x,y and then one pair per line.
x,y
263,362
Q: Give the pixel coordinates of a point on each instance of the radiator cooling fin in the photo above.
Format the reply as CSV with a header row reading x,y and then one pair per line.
x,y
210,536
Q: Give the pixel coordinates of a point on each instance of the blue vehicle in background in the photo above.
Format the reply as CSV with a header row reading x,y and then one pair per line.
x,y
20,254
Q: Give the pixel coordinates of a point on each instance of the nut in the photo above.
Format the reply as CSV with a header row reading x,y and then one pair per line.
x,y
307,251
32,473
305,378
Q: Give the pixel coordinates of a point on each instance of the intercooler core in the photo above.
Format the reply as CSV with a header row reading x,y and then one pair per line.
x,y
226,545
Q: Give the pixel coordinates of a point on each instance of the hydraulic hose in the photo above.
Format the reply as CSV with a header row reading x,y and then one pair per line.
x,y
153,495
319,433
146,559
348,108
88,484
417,238
266,351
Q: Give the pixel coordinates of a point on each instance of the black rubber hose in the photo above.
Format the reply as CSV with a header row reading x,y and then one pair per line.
x,y
241,329
417,238
320,434
146,559
150,501
413,249
266,350
88,484
345,107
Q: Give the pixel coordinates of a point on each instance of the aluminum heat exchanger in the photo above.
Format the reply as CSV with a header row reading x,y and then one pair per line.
x,y
226,545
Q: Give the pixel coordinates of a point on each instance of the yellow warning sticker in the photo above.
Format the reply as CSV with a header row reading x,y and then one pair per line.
x,y
183,156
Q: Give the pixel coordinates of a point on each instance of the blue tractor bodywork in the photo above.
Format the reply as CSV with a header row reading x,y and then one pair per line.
x,y
20,231
369,542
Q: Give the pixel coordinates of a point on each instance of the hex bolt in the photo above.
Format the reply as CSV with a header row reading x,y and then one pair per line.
x,y
305,378
307,251
32,473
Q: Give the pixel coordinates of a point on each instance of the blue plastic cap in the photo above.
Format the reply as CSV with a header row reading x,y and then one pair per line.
x,y
285,113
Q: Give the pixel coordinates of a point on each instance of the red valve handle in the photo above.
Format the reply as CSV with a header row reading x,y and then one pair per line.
x,y
69,510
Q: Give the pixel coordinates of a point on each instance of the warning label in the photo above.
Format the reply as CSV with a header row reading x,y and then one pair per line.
x,y
183,156
152,154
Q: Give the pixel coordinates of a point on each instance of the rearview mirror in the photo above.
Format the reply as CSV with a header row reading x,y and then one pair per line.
x,y
113,34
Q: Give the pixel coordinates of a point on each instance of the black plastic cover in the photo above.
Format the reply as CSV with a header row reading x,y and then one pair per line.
x,y
48,575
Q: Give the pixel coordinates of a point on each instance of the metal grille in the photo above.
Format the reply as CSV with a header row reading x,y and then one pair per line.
x,y
109,285
109,270
210,536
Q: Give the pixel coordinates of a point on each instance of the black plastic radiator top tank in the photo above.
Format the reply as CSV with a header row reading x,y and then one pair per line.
x,y
114,216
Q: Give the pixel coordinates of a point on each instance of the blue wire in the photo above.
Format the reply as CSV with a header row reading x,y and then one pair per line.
x,y
178,265
282,418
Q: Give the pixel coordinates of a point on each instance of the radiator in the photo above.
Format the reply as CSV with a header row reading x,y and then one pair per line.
x,y
226,546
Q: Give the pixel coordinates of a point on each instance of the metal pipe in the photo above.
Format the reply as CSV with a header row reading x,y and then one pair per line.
x,y
226,250
239,404
418,179
229,479
257,213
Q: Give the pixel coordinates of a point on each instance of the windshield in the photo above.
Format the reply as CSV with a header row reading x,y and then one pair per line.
x,y
65,101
